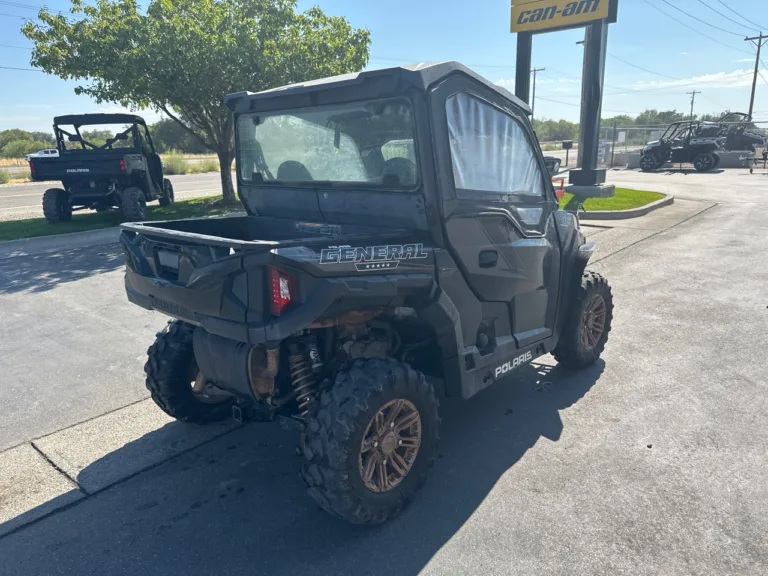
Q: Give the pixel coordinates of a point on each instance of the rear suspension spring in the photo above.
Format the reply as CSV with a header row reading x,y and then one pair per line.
x,y
304,383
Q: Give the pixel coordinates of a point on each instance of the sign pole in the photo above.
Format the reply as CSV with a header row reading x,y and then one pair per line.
x,y
523,66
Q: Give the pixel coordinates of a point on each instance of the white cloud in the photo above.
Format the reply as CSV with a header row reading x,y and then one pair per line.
x,y
18,118
41,106
745,60
735,79
683,53
506,82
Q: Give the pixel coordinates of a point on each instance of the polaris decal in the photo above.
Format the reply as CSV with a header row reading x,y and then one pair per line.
x,y
77,170
371,258
512,364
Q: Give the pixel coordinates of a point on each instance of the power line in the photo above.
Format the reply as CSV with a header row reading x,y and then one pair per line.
x,y
641,68
14,16
22,69
694,29
740,16
28,7
17,47
723,15
700,20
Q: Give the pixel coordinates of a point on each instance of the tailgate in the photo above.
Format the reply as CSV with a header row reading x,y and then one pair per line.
x,y
77,166
197,282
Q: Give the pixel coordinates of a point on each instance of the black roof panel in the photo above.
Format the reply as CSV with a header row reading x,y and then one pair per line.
x,y
421,75
89,119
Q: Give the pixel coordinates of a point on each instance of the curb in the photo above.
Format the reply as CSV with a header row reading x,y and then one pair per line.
x,y
58,242
626,214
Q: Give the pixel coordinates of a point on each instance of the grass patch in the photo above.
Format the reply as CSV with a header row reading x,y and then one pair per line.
x,y
209,165
625,199
4,177
207,206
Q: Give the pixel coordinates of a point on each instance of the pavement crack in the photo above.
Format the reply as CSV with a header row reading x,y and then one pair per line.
x,y
58,468
691,217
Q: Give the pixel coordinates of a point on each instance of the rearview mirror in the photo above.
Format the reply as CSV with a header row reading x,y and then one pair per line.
x,y
553,165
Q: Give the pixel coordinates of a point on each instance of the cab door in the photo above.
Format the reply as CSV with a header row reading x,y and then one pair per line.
x,y
498,205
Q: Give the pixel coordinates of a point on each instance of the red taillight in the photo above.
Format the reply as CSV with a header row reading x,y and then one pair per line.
x,y
122,165
31,167
283,289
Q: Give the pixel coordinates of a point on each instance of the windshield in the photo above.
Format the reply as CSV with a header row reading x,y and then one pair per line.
x,y
369,143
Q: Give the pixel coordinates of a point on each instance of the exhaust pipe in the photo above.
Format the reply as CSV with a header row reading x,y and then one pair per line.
x,y
243,369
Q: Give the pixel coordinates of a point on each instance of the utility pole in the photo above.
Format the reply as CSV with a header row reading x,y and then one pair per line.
x,y
533,99
693,99
757,68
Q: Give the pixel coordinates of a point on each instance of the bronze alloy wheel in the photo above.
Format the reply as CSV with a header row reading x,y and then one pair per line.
x,y
390,445
593,322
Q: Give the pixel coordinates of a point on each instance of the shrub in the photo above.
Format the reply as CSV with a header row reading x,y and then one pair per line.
x,y
195,168
4,176
209,165
175,163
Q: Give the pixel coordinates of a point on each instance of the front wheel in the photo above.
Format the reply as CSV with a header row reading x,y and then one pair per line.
x,y
167,198
704,162
648,163
587,323
370,441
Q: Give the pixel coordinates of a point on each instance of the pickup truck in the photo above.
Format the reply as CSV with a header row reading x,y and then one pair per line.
x,y
402,243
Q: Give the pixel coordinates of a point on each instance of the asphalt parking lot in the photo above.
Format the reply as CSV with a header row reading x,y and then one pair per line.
x,y
651,462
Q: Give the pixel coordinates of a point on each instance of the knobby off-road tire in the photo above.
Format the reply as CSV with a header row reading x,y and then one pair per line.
x,y
133,205
56,206
704,162
334,432
592,301
168,196
648,163
170,371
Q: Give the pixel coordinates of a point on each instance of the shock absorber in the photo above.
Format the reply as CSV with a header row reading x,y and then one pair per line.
x,y
302,376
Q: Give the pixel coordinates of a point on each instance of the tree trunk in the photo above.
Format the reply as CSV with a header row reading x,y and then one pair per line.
x,y
227,188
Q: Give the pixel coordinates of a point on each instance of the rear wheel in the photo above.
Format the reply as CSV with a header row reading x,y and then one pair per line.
x,y
704,162
56,206
133,204
167,198
175,382
648,163
587,323
370,441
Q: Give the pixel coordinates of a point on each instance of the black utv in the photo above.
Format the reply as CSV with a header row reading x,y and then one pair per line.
x,y
683,143
402,243
124,172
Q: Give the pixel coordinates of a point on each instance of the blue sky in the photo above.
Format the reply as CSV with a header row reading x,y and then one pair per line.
x,y
476,33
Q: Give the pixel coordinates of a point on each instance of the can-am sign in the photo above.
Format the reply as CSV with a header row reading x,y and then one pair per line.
x,y
547,15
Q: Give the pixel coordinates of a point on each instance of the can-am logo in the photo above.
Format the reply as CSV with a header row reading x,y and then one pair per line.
x,y
77,170
369,258
512,364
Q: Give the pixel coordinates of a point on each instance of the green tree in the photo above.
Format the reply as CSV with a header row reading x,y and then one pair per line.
x,y
46,138
20,148
169,135
14,134
184,56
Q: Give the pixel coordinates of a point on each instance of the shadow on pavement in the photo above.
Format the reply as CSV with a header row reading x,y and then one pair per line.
x,y
42,272
237,506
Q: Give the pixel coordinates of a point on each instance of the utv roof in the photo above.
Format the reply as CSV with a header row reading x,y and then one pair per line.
x,y
89,119
421,76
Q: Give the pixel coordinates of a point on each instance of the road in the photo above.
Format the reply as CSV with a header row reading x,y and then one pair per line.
x,y
652,462
25,200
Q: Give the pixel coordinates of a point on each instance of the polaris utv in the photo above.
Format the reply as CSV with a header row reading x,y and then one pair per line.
x,y
402,243
123,172
683,143
735,127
